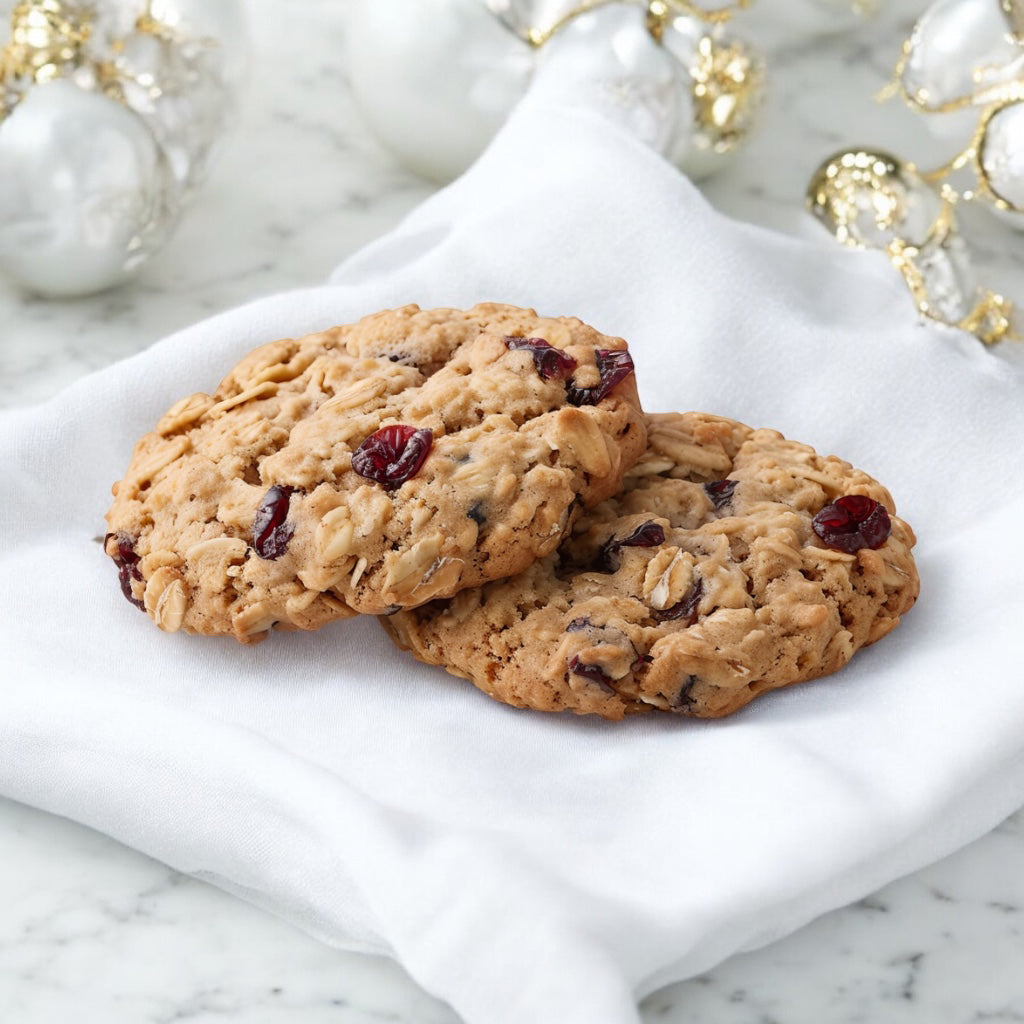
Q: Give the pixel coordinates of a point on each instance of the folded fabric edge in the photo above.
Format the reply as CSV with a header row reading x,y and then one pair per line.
x,y
973,813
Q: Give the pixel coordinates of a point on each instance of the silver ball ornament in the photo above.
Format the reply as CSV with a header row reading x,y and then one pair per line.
x,y
1001,158
957,52
963,65
869,199
435,78
85,191
108,112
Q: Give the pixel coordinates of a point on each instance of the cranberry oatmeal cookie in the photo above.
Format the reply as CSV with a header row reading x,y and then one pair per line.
x,y
732,563
373,467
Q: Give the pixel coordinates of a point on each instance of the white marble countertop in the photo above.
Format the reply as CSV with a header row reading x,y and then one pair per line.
x,y
92,932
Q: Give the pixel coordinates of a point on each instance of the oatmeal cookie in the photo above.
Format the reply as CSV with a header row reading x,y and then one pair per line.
x,y
733,562
373,467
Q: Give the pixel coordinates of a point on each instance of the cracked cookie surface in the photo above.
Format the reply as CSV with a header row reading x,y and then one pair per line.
x,y
705,583
371,467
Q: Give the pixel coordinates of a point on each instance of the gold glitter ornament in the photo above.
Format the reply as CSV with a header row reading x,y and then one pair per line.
x,y
868,198
46,36
661,12
872,200
46,42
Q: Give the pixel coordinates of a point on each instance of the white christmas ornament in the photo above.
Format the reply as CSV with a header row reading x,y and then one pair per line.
x,y
84,194
963,66
216,26
108,112
959,51
1001,156
437,78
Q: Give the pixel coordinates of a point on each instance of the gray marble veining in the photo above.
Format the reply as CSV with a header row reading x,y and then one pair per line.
x,y
97,934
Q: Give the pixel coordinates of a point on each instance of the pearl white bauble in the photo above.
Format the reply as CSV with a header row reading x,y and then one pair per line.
x,y
84,191
1002,157
435,78
957,50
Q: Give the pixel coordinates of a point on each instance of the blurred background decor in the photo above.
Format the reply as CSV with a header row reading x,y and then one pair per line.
x,y
108,113
963,68
435,79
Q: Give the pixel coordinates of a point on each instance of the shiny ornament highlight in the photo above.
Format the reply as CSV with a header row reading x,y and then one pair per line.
x,y
1001,155
870,199
959,52
100,165
85,191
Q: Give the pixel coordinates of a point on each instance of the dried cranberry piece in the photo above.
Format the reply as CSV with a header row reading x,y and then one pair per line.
x,y
614,366
646,535
551,363
392,455
271,531
684,611
127,562
592,672
720,492
853,522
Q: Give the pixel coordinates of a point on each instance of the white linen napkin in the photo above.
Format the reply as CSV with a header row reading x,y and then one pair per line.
x,y
533,868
